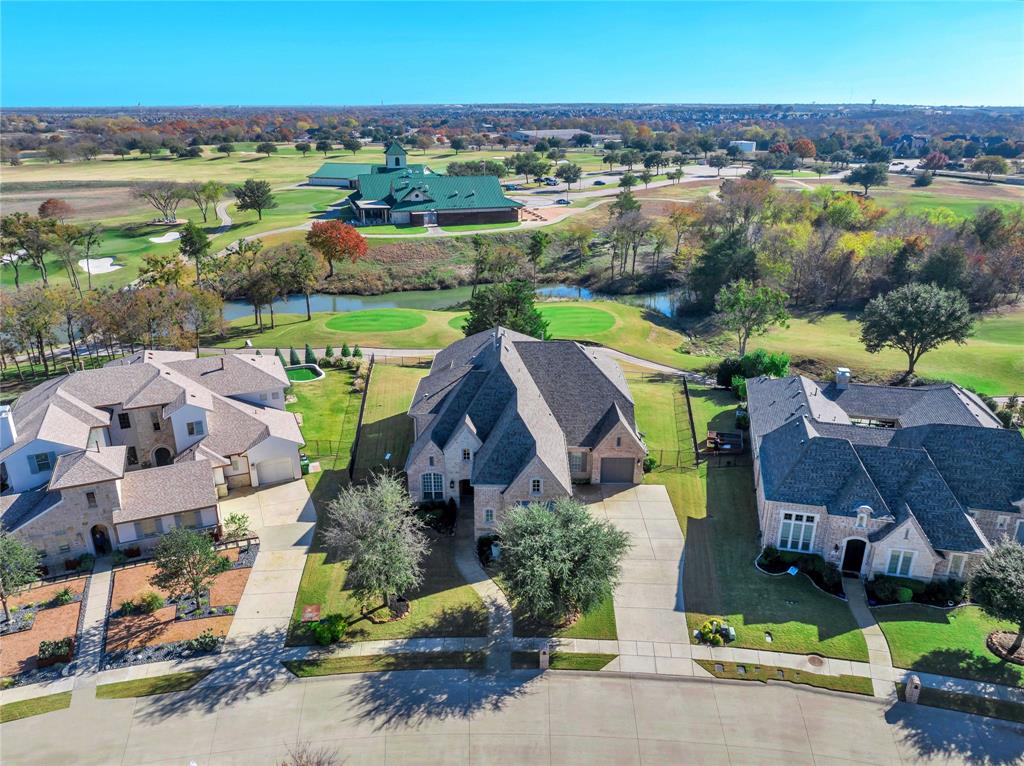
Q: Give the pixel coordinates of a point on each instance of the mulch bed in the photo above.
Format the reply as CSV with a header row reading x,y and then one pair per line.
x,y
999,644
18,650
140,630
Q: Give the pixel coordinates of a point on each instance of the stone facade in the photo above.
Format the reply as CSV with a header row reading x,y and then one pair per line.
x,y
64,531
619,442
143,433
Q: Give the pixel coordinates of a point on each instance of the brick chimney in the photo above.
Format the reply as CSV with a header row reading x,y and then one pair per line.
x,y
842,378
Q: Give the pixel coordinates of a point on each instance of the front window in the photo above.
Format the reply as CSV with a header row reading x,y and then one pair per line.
x,y
433,486
191,519
956,565
797,531
536,486
618,441
146,528
576,462
132,456
41,462
489,516
90,499
862,520
194,428
123,420
466,456
900,563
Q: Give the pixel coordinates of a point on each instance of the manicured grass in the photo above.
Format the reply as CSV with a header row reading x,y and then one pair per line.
x,y
146,687
13,711
967,703
949,642
294,330
598,623
376,320
330,412
375,663
766,673
301,375
565,321
443,606
387,428
392,229
481,226
294,207
562,660
720,581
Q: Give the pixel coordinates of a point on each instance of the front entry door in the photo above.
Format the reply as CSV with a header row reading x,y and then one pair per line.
x,y
853,557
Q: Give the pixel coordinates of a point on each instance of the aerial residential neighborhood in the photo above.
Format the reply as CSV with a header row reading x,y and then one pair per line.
x,y
488,385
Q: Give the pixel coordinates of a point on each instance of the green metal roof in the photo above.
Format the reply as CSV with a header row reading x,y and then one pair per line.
x,y
416,192
346,170
395,148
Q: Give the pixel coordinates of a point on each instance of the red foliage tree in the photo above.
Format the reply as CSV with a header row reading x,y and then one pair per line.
x,y
335,240
935,161
56,209
804,147
780,148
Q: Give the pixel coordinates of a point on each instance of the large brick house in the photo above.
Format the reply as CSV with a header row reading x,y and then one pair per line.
x,y
912,482
504,419
116,456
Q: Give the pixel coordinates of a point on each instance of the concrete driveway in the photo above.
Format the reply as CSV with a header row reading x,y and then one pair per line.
x,y
649,606
284,518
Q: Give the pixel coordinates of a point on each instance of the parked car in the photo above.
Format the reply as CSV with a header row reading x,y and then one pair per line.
x,y
550,182
562,201
599,182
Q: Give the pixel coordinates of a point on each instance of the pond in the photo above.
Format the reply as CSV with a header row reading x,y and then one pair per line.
x,y
665,302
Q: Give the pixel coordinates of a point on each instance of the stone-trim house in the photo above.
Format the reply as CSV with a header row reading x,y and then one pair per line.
x,y
114,457
915,482
504,419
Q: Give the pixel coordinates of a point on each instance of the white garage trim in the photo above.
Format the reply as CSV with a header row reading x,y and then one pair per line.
x,y
274,471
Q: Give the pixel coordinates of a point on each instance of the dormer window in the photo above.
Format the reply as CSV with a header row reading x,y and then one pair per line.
x,y
466,455
536,486
862,520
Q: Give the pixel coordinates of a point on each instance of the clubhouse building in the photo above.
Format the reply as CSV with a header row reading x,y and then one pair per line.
x,y
403,194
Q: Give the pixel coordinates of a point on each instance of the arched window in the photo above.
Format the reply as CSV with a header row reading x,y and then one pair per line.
x,y
433,486
863,514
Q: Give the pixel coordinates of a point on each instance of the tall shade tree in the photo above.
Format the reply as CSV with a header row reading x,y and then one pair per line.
x,y
164,196
747,309
559,562
187,564
510,305
990,165
254,195
578,235
323,145
915,319
719,161
19,563
33,235
266,147
89,242
205,194
804,148
934,161
303,147
302,269
375,528
226,148
336,241
194,245
352,145
997,586
872,174
569,172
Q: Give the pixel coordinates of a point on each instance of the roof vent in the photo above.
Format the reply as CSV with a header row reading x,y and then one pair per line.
x,y
842,378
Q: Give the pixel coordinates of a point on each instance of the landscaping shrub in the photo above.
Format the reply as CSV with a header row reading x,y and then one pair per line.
x,y
742,419
357,352
236,527
128,606
944,592
279,355
650,463
760,362
346,352
86,563
329,353
904,595
728,368
150,602
310,356
483,548
325,363
71,565
330,629
358,384
739,387
118,557
204,642
64,596
133,552
293,357
886,589
925,179
52,652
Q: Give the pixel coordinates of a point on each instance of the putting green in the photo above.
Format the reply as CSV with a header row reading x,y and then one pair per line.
x,y
301,374
575,321
457,322
376,320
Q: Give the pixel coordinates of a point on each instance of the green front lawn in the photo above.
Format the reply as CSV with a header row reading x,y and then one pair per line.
x,y
562,660
720,581
387,228
598,623
12,711
146,687
949,643
375,663
967,703
330,412
766,673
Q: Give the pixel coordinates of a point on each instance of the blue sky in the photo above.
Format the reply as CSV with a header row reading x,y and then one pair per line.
x,y
124,53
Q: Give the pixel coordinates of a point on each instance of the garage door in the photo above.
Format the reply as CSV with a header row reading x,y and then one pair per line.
x,y
273,471
616,470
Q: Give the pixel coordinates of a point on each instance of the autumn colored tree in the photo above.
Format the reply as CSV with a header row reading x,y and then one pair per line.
x,y
56,209
336,241
804,148
934,161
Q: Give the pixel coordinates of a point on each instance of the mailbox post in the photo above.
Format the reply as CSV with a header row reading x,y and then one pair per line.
x,y
913,690
545,657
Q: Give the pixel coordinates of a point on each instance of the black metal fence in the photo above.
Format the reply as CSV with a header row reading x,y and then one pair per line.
x,y
359,422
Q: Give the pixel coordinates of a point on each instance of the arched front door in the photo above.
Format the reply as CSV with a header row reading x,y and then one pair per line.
x,y
162,456
853,556
100,540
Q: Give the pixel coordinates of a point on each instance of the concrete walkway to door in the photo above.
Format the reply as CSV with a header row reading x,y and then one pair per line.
x,y
879,658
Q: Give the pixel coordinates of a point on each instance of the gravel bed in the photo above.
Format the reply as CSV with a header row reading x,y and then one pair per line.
x,y
21,619
246,556
185,608
176,650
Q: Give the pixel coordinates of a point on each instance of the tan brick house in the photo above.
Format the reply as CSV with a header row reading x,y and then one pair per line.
x,y
504,419
912,482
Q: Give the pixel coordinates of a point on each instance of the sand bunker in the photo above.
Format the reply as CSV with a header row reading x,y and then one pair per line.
x,y
98,265
165,238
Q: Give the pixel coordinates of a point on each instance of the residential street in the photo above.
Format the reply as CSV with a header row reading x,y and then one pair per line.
x,y
454,717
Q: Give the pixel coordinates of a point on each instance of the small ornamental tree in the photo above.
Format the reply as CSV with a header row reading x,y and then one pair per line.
x,y
279,355
310,356
872,174
293,357
304,147
990,165
254,195
747,309
915,319
559,562
336,241
719,161
187,564
375,528
934,161
226,148
357,353
346,352
323,145
997,586
18,564
329,352
804,148
56,209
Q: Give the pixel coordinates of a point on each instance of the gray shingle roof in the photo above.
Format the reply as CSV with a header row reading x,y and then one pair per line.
x,y
234,374
167,489
90,466
915,406
52,414
16,510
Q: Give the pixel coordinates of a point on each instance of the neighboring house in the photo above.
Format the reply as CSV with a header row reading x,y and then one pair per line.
x,y
913,482
117,455
504,419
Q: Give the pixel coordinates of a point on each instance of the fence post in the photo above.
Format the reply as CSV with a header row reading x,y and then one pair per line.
x,y
693,430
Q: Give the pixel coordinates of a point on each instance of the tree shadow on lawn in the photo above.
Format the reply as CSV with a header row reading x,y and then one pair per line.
x,y
391,435
934,734
960,663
